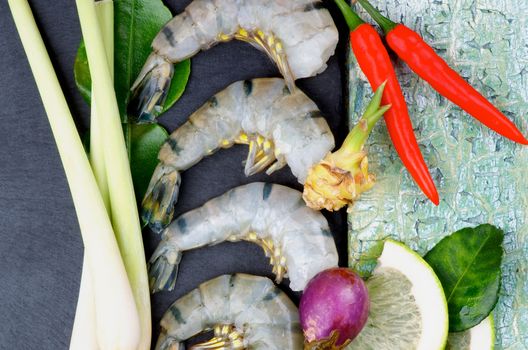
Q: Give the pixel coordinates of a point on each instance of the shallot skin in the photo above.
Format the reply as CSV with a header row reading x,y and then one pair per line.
x,y
334,300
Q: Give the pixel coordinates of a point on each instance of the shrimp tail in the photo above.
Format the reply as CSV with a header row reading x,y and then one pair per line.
x,y
161,195
150,89
166,342
163,267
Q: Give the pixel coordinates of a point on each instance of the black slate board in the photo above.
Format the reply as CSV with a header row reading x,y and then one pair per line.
x,y
40,244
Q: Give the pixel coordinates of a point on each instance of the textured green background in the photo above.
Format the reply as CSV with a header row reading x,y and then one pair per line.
x,y
481,177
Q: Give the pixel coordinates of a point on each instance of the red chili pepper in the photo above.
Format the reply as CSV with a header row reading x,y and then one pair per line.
x,y
375,62
424,61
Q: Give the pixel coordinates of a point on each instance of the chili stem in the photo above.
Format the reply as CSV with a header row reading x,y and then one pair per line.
x,y
352,18
385,23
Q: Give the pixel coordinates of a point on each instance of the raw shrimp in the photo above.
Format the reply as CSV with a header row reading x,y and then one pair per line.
x,y
296,238
280,127
245,312
298,35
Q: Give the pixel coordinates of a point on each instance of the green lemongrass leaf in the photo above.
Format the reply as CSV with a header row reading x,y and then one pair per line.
x,y
146,140
468,265
136,24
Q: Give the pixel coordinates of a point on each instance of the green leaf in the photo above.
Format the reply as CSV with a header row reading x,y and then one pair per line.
x,y
136,24
468,265
368,260
182,71
81,73
146,141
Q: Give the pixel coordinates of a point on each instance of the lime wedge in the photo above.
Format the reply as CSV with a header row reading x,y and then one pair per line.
x,y
480,337
408,309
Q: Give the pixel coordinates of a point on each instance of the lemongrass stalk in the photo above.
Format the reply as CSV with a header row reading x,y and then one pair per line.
x,y
84,335
105,16
125,218
84,331
116,314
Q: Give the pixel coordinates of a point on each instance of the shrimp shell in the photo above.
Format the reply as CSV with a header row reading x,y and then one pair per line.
x,y
280,127
245,312
296,238
298,35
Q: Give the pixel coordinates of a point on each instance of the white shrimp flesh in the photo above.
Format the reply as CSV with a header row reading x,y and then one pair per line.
x,y
298,35
281,128
297,239
244,311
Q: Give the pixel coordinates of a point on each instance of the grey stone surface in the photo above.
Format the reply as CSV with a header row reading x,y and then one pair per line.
x,y
481,177
40,245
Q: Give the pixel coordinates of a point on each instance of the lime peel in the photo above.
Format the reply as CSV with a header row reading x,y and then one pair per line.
x,y
398,256
408,307
480,337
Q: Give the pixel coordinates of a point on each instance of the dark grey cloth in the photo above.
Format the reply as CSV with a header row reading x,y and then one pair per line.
x,y
40,244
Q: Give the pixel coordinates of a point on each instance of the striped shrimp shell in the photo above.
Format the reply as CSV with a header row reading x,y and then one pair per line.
x,y
245,312
280,127
297,239
298,35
